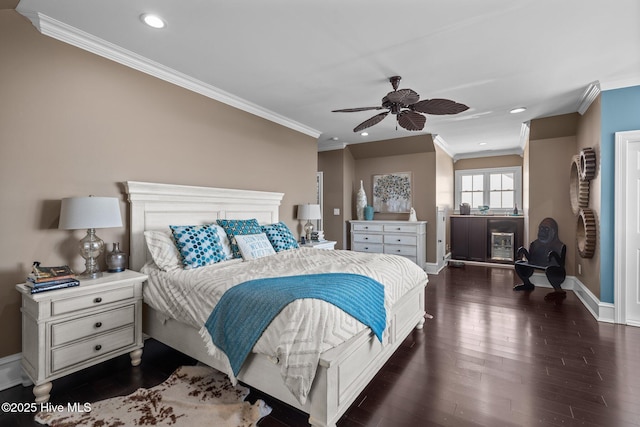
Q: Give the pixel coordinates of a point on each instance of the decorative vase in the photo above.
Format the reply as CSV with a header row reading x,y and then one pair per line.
x,y
116,259
361,202
368,213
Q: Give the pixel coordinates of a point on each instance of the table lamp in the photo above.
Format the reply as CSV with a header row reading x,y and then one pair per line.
x,y
309,212
90,212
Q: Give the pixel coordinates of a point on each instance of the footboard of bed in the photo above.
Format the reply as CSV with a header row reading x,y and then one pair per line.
x,y
343,372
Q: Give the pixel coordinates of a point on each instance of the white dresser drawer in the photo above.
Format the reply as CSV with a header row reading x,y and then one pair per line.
x,y
86,326
399,239
97,346
404,238
401,228
368,227
368,247
367,238
96,299
400,250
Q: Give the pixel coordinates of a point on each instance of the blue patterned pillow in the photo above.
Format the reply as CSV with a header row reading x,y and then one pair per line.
x,y
199,245
280,236
235,227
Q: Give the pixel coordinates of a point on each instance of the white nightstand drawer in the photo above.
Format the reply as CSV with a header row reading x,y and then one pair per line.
x,y
367,238
367,227
398,239
91,300
400,250
368,247
89,325
97,346
401,228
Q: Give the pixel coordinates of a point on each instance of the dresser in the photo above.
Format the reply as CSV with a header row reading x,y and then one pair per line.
x,y
404,238
66,330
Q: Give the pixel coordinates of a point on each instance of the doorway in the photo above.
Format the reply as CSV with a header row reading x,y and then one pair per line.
x,y
627,228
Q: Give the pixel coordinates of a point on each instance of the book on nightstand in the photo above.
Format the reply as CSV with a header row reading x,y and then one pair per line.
x,y
52,285
49,278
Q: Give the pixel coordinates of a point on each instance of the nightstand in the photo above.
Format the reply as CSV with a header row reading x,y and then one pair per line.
x,y
325,244
66,330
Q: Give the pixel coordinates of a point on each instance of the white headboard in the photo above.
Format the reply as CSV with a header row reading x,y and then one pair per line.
x,y
156,206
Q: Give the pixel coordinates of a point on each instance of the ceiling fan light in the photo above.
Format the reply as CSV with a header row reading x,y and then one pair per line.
x,y
518,110
154,21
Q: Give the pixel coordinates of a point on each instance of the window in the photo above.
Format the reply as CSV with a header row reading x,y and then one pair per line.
x,y
498,188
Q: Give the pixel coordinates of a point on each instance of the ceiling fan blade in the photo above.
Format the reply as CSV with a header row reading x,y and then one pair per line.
x,y
370,122
410,120
438,106
352,110
403,96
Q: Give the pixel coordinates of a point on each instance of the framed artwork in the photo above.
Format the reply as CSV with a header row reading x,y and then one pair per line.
x,y
392,192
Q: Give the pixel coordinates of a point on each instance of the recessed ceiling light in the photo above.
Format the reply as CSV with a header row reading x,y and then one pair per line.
x,y
482,143
335,138
518,110
153,21
364,133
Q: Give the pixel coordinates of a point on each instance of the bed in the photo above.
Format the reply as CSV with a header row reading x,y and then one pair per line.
x,y
344,369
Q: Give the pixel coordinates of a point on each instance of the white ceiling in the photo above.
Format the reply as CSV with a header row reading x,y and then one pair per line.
x,y
294,61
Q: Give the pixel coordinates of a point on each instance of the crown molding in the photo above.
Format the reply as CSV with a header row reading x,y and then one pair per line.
x,y
331,145
590,94
488,153
78,38
442,144
524,135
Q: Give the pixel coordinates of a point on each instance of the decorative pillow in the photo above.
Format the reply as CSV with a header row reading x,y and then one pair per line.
x,y
199,245
239,227
224,241
280,236
163,250
253,246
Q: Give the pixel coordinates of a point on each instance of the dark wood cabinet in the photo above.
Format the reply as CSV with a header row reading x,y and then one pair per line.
x,y
471,237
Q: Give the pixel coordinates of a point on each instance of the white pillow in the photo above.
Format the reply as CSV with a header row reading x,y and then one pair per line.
x,y
163,250
224,240
253,246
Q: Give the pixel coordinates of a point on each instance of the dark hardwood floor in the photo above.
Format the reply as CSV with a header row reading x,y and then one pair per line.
x,y
489,357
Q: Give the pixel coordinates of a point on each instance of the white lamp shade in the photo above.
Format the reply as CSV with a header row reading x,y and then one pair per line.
x,y
90,212
309,211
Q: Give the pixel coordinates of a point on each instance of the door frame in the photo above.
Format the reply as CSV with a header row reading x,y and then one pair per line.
x,y
623,141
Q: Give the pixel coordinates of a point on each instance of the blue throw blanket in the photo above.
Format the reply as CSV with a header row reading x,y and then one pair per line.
x,y
245,310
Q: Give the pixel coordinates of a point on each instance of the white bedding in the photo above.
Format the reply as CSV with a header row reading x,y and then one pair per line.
x,y
305,328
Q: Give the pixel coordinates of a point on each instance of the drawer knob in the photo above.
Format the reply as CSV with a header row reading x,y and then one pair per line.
x,y
366,248
366,238
97,300
398,250
399,240
399,229
98,347
98,324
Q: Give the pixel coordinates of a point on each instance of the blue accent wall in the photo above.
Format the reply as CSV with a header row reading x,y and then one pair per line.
x,y
620,112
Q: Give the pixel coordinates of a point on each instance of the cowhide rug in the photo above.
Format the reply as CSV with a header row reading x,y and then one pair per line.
x,y
191,396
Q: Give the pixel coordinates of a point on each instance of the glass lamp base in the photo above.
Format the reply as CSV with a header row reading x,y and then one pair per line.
x,y
308,229
91,246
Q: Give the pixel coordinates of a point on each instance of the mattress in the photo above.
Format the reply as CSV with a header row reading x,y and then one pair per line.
x,y
305,328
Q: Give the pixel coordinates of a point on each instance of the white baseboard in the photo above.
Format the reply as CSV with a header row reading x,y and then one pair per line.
x,y
601,311
10,371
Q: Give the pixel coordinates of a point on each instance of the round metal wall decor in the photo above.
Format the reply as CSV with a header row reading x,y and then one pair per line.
x,y
586,233
578,188
587,164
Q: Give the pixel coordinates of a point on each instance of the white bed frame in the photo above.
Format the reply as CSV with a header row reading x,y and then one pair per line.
x,y
343,372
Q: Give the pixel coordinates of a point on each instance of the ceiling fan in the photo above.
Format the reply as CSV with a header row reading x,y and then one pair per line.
x,y
405,104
